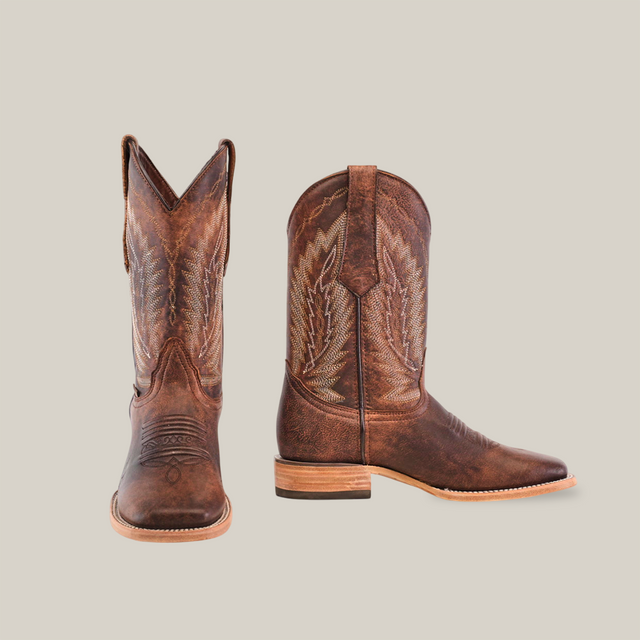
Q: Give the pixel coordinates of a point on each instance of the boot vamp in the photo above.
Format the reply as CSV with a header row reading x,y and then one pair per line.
x,y
171,496
172,476
433,446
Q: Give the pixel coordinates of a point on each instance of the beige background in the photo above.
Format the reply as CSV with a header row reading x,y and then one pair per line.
x,y
516,121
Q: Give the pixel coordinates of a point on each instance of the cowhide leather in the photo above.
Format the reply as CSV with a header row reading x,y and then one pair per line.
x,y
176,250
357,313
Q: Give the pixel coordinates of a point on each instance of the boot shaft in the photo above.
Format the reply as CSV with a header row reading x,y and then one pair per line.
x,y
176,250
357,305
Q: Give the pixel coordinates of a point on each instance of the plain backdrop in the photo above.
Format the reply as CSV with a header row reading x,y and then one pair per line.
x,y
516,121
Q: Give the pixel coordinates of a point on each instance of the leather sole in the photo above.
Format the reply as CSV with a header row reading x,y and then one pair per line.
x,y
127,530
326,481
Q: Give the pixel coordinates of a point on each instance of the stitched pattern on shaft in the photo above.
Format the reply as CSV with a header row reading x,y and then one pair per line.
x,y
172,246
322,313
145,278
336,195
160,295
203,296
396,323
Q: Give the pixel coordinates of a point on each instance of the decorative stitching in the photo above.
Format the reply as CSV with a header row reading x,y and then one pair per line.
x,y
171,442
172,249
320,208
405,215
321,313
397,320
145,278
203,296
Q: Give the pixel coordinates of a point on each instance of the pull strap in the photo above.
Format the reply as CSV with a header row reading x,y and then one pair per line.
x,y
359,270
125,188
231,151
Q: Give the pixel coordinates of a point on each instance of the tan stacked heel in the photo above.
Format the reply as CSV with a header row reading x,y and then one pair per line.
x,y
321,481
327,481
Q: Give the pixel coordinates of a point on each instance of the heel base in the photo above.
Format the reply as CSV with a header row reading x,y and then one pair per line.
x,y
324,495
321,480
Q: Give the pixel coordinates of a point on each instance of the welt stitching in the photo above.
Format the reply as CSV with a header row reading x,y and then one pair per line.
x,y
529,486
121,520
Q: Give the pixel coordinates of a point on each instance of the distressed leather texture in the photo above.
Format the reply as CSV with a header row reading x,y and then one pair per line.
x,y
176,251
359,269
357,318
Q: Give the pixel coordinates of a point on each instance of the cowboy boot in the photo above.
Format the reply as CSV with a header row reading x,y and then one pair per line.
x,y
175,251
354,401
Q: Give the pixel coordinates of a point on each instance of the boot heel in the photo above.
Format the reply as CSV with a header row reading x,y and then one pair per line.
x,y
321,481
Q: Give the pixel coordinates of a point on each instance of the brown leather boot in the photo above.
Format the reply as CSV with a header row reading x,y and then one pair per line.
x,y
176,251
354,401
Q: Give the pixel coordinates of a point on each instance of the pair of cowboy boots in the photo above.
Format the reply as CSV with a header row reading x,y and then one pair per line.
x,y
353,401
